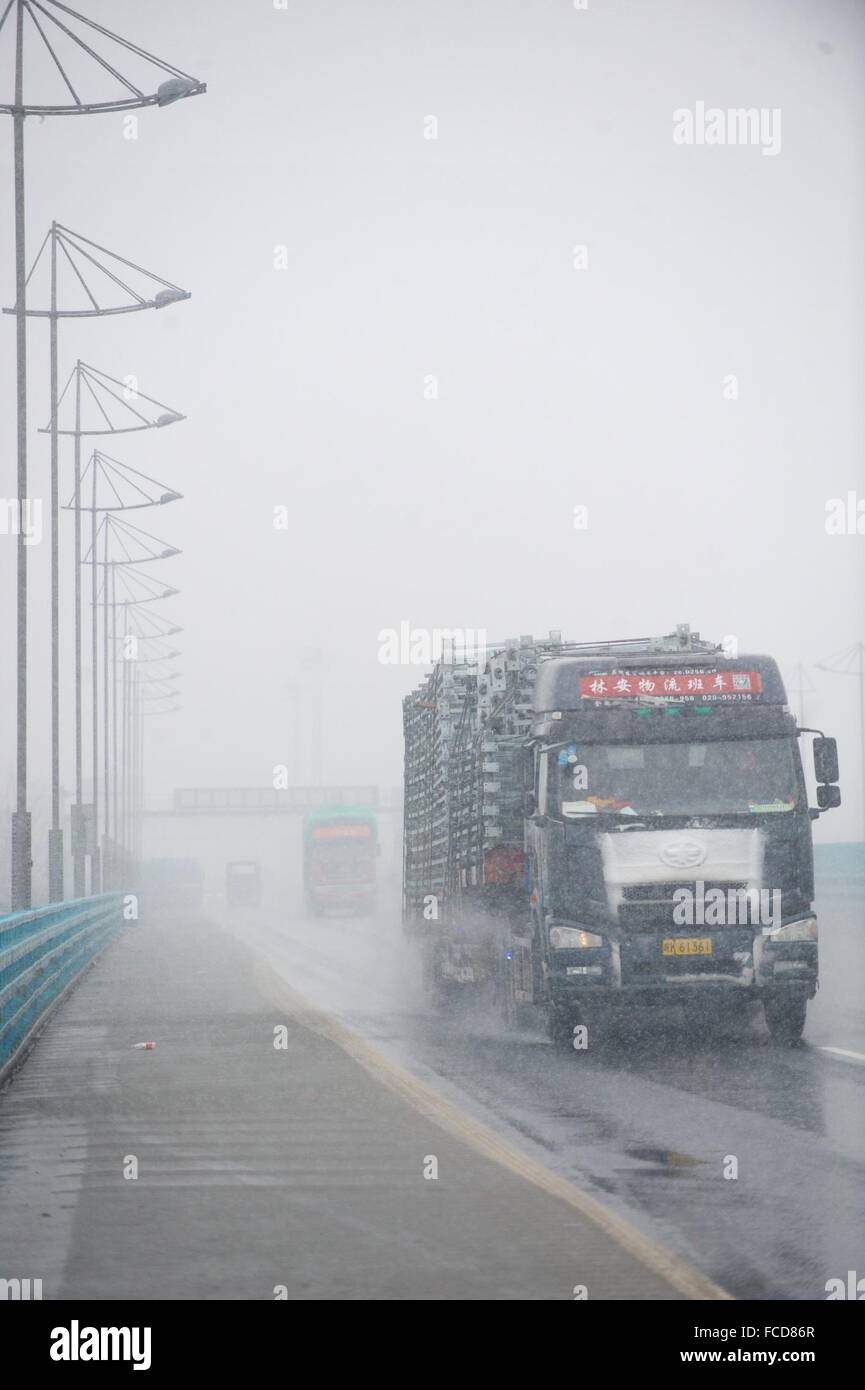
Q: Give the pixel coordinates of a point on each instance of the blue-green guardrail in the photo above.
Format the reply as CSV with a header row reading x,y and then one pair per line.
x,y
42,953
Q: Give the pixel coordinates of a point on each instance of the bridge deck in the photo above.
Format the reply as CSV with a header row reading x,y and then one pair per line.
x,y
257,1167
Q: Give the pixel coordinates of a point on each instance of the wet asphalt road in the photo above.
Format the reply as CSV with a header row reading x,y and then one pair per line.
x,y
651,1118
262,1152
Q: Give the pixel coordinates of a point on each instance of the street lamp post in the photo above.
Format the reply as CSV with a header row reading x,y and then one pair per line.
x,y
22,863
141,700
122,545
164,655
100,282
55,834
114,487
71,33
136,591
110,413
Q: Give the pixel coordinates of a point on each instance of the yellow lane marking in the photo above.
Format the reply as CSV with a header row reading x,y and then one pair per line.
x,y
680,1275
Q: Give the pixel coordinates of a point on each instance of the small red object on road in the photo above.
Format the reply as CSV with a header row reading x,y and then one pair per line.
x,y
148,1046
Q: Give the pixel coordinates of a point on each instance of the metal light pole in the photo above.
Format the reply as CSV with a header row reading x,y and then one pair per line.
x,y
136,769
77,845
55,834
22,863
108,705
122,545
140,685
95,858
99,282
69,33
136,590
145,713
114,487
131,799
111,411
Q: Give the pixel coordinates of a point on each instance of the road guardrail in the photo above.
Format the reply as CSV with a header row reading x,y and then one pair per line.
x,y
43,952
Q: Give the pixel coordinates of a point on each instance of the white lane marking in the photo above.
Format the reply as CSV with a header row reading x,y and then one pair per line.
x,y
842,1052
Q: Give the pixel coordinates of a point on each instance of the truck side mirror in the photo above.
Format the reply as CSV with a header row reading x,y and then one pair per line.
x,y
529,804
826,760
828,796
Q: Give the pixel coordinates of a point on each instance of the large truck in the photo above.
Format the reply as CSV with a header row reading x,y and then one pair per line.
x,y
604,825
340,848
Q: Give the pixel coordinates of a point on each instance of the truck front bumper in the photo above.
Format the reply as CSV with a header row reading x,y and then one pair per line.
x,y
342,895
634,967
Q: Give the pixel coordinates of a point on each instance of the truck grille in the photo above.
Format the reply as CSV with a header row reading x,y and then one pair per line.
x,y
647,905
344,873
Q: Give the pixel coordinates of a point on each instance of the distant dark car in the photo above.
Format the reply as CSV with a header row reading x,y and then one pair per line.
x,y
171,885
243,883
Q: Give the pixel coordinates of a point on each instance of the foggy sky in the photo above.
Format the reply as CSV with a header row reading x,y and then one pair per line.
x,y
411,257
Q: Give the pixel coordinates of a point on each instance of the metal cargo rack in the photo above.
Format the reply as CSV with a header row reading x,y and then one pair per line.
x,y
465,727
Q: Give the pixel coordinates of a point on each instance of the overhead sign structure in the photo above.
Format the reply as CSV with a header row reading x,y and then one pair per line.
x,y
274,801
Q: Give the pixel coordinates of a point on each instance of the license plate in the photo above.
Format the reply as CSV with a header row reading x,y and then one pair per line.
x,y
686,946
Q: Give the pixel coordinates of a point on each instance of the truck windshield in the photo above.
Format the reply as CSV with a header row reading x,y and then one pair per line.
x,y
735,777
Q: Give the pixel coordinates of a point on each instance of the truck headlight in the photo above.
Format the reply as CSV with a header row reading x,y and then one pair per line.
x,y
568,938
803,930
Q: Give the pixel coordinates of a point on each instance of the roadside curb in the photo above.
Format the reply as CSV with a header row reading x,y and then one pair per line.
x,y
678,1273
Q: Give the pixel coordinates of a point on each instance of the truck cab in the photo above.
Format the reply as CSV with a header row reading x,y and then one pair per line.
x,y
668,837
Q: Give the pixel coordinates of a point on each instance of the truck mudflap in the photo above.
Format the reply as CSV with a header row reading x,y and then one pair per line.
x,y
461,962
450,969
461,969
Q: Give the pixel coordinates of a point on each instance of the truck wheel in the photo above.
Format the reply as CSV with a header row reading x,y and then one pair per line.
x,y
561,1024
505,991
439,991
785,1017
444,996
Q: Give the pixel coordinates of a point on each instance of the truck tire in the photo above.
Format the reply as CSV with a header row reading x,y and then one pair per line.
x,y
439,992
504,987
785,1017
561,1024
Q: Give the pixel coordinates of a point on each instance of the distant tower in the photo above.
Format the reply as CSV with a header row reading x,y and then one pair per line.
x,y
801,686
311,665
